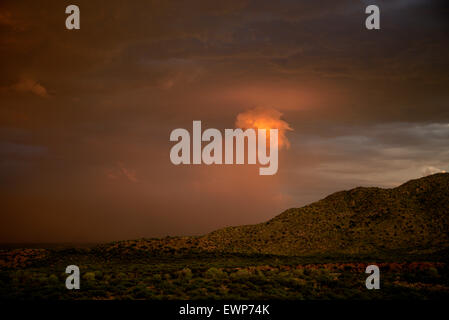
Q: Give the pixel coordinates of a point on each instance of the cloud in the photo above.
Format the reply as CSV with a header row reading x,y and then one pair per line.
x,y
431,170
16,149
382,155
264,118
120,171
30,85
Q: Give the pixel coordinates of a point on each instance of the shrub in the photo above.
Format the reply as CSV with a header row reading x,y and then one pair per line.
x,y
122,276
98,274
185,273
214,273
53,279
89,276
241,274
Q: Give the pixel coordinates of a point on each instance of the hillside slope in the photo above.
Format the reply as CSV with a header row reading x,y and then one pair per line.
x,y
410,219
413,217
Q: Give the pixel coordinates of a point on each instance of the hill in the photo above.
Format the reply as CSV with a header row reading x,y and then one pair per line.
x,y
410,219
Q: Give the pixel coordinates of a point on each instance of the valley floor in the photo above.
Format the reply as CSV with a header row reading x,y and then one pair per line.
x,y
40,274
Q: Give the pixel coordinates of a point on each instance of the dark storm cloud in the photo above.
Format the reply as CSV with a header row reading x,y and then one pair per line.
x,y
383,155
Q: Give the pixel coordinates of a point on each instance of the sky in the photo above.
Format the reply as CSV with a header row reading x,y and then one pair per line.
x,y
86,115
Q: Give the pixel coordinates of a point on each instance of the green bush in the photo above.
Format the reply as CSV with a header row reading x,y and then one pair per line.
x,y
214,273
89,276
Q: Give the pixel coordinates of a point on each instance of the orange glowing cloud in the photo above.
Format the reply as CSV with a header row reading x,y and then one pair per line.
x,y
265,118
